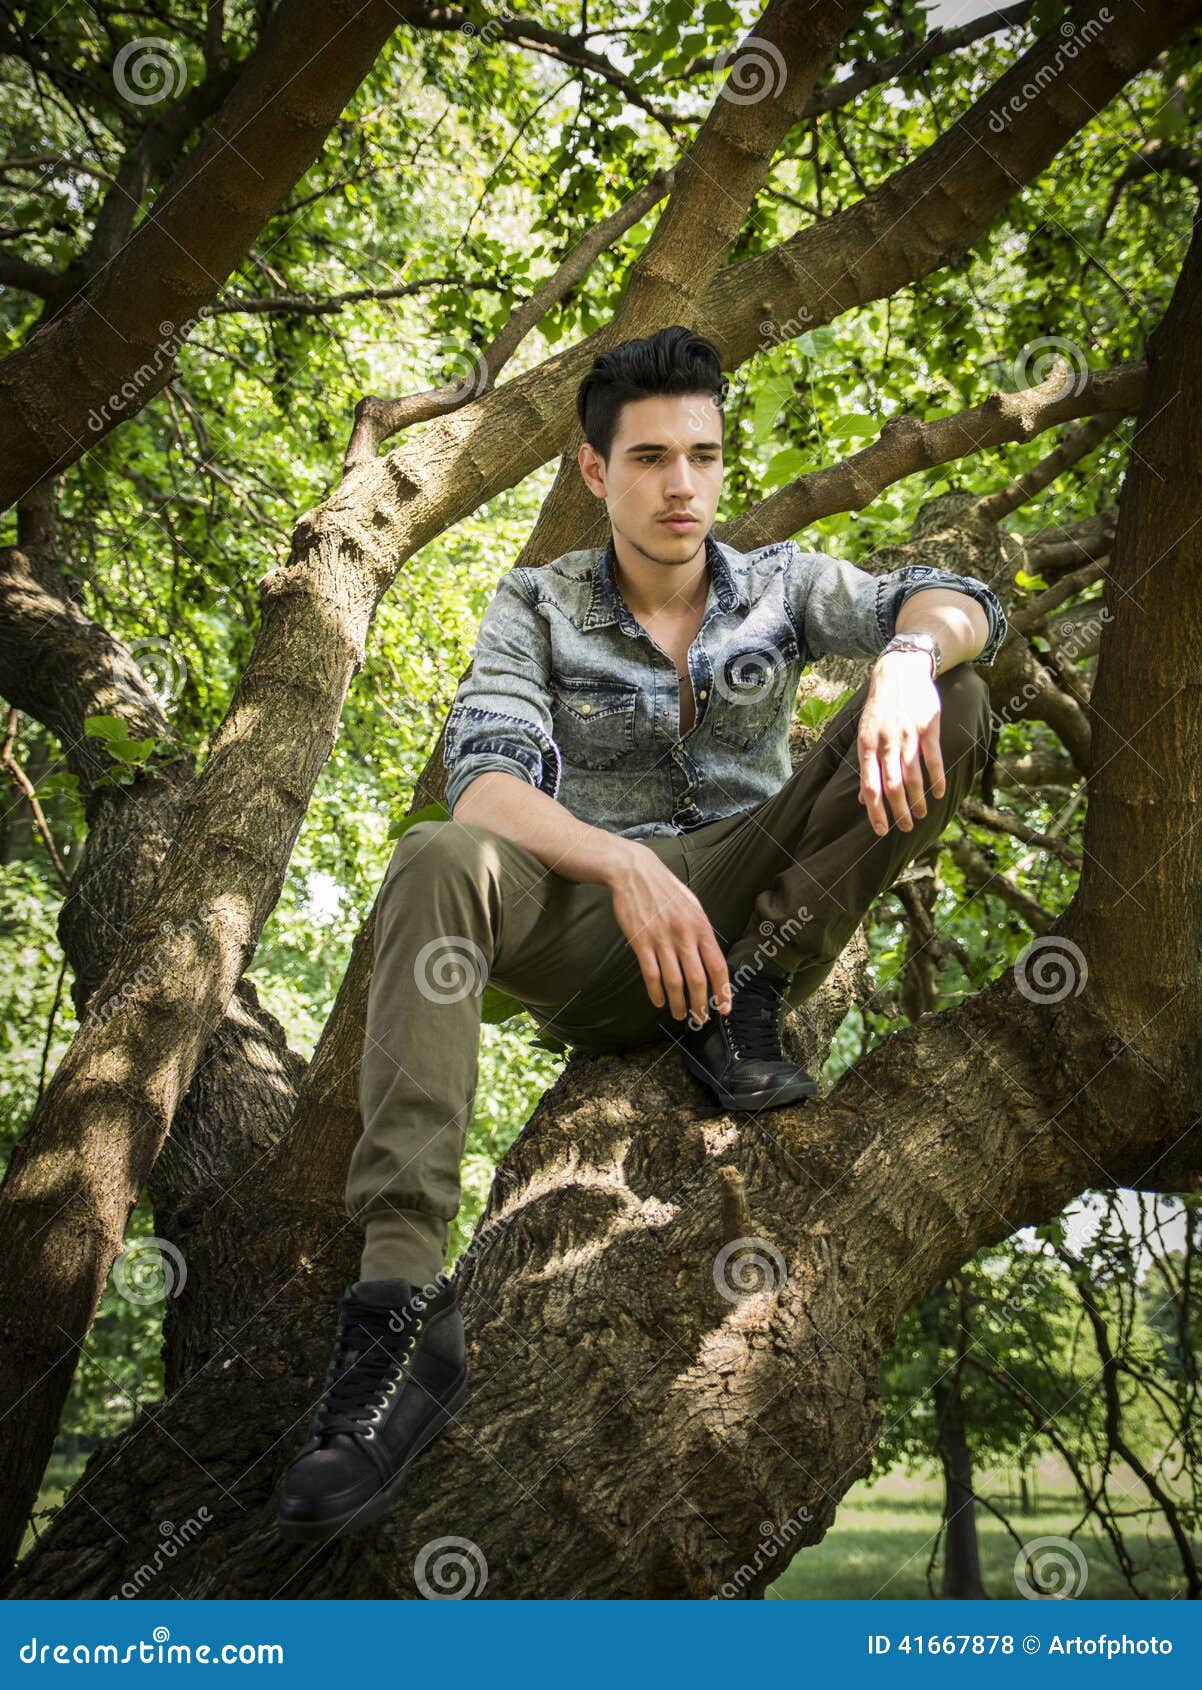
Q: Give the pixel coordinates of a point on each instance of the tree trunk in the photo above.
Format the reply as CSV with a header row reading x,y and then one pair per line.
x,y
961,1553
611,1361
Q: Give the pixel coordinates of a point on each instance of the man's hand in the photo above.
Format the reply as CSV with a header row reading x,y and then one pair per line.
x,y
900,717
670,933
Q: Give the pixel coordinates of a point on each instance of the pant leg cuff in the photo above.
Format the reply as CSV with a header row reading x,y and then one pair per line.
x,y
404,1242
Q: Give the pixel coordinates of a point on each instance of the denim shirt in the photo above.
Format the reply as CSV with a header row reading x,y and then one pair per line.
x,y
568,691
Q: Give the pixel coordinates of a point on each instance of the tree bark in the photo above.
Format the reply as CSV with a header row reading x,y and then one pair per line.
x,y
867,1206
180,956
962,1580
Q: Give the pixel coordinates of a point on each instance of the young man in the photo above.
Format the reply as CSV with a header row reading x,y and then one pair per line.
x,y
629,849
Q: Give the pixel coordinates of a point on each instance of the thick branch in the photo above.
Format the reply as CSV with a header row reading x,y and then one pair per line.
x,y
107,353
1137,915
906,445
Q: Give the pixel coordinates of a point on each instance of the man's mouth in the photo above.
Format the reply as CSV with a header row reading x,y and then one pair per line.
x,y
681,522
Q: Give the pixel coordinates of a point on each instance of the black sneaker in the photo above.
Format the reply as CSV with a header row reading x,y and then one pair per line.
x,y
397,1375
738,1055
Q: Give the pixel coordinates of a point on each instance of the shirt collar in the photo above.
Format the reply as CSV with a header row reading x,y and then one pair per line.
x,y
607,605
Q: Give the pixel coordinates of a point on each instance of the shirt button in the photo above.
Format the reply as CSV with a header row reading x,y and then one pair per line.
x,y
701,694
585,708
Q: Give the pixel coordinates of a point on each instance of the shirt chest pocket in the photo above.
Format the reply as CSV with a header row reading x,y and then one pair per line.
x,y
594,720
751,690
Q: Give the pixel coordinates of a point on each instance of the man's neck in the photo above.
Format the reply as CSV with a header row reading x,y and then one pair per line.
x,y
653,588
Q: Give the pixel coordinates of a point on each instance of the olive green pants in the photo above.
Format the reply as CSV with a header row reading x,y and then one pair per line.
x,y
788,880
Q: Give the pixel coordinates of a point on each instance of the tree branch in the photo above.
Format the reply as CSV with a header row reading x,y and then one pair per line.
x,y
106,353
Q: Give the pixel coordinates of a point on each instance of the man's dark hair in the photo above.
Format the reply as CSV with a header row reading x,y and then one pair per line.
x,y
672,360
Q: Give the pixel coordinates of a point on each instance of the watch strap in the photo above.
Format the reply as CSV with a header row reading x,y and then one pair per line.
x,y
917,642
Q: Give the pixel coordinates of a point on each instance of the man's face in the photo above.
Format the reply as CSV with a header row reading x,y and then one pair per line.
x,y
665,462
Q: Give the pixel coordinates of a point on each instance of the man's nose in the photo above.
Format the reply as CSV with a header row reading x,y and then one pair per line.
x,y
679,482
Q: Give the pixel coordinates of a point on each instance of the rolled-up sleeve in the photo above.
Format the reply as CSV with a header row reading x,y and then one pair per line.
x,y
501,715
842,609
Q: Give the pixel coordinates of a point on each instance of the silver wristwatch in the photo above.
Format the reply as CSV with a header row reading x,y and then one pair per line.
x,y
917,642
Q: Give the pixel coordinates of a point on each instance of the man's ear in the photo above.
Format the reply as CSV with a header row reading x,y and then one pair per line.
x,y
592,468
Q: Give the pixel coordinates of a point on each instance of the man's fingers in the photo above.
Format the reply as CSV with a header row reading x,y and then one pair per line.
x,y
669,970
696,983
870,787
932,756
895,790
719,974
649,965
912,778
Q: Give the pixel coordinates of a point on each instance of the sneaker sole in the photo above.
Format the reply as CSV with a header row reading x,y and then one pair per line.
x,y
777,1097
365,1514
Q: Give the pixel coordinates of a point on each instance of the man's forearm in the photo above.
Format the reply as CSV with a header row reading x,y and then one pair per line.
x,y
957,621
512,807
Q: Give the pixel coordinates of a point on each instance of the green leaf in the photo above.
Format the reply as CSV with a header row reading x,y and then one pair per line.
x,y
50,786
104,727
1045,14
436,812
1029,583
814,712
496,1005
112,730
783,466
853,427
768,403
1169,120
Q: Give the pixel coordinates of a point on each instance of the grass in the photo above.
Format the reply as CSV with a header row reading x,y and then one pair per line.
x,y
883,1534
881,1542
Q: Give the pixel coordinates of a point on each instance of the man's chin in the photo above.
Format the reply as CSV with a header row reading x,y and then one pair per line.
x,y
674,545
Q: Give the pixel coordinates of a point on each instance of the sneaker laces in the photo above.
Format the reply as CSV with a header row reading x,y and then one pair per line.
x,y
753,1017
369,1358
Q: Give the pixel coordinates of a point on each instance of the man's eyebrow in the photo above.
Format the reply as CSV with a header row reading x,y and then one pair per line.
x,y
658,446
